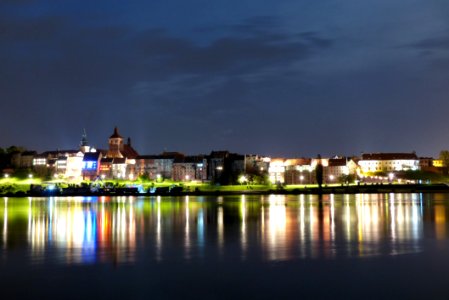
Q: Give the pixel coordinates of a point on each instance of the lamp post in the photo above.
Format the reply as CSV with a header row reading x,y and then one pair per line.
x,y
391,177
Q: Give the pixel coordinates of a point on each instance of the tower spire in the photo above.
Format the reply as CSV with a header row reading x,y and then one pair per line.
x,y
84,141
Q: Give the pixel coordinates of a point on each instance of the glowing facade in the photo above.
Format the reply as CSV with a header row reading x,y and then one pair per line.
x,y
388,162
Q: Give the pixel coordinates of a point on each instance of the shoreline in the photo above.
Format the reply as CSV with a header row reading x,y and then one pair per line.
x,y
356,189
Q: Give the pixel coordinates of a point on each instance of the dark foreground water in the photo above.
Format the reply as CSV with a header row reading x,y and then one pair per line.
x,y
262,247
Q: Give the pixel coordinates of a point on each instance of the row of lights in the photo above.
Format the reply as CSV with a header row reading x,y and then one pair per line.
x,y
7,176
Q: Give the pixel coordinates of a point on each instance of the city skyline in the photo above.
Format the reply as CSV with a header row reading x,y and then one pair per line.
x,y
84,141
281,79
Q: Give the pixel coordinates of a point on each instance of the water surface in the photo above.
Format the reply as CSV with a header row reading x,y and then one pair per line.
x,y
340,246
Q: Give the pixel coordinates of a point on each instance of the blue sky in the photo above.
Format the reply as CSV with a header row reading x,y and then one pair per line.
x,y
281,78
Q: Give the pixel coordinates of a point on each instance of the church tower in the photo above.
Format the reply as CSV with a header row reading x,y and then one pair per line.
x,y
84,144
116,145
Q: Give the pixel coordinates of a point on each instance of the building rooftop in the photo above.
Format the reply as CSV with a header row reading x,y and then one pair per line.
x,y
115,134
389,156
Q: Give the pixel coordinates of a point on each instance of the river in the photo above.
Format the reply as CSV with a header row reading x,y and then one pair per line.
x,y
259,247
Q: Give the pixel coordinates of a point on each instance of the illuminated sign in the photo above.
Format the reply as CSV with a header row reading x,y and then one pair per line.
x,y
89,165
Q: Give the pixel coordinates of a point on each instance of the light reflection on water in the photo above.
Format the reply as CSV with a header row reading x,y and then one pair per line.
x,y
81,230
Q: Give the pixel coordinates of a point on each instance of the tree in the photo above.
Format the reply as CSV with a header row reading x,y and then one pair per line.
x,y
319,172
13,149
346,179
444,157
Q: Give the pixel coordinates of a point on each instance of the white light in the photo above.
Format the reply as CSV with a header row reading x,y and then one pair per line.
x,y
301,177
103,176
331,177
30,176
6,175
131,176
187,177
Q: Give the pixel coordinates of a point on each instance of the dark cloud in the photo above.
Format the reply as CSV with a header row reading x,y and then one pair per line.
x,y
438,43
226,55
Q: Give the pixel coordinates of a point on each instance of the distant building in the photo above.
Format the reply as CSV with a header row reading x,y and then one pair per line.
x,y
27,159
388,162
91,165
291,171
123,158
438,163
338,167
157,166
225,167
117,149
190,168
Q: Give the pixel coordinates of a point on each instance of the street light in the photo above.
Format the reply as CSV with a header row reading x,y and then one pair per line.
x,y
391,176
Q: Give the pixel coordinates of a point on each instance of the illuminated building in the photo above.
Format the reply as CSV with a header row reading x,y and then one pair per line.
x,y
385,162
438,163
155,166
190,168
91,165
74,166
338,167
291,170
299,171
123,158
117,149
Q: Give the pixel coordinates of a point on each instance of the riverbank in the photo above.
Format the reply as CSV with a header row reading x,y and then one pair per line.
x,y
238,190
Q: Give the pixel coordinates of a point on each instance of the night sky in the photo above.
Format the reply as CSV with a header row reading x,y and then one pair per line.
x,y
280,78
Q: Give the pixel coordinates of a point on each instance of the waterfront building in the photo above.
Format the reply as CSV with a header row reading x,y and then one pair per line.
x,y
91,165
190,168
291,171
27,159
438,163
339,167
123,158
157,166
74,166
299,171
388,162
256,164
225,167
118,149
